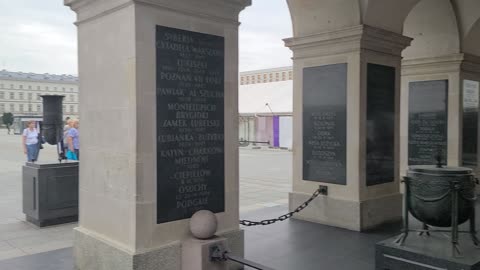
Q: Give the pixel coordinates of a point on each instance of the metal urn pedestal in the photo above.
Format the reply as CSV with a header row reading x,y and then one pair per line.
x,y
50,193
440,199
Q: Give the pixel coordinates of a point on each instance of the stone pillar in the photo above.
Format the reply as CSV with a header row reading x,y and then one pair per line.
x,y
456,71
126,163
338,77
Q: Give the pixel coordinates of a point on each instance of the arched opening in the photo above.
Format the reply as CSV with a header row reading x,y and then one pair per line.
x,y
265,106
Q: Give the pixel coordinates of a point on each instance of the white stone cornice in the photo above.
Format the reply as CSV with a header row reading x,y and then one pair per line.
x,y
441,64
361,37
225,11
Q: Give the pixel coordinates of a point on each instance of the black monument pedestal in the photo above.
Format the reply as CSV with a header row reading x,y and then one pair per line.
x,y
427,253
50,193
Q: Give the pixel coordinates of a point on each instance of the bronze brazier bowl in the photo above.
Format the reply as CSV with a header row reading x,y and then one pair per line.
x,y
430,196
439,197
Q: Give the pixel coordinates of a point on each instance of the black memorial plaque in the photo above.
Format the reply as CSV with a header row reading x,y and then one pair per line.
x,y
380,124
325,123
427,121
190,123
470,123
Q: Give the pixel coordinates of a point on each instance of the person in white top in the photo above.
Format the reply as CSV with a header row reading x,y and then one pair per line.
x,y
30,141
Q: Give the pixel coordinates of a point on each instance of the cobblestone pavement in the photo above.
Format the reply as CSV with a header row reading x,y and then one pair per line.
x,y
265,180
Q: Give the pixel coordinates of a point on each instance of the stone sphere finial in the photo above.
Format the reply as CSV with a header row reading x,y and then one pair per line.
x,y
203,224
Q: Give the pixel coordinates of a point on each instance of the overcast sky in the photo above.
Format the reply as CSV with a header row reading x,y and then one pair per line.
x,y
39,36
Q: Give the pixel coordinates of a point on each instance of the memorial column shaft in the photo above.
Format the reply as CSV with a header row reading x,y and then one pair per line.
x,y
451,82
159,111
346,97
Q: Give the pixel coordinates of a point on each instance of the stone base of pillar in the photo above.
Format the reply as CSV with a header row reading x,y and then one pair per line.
x,y
93,253
236,245
351,215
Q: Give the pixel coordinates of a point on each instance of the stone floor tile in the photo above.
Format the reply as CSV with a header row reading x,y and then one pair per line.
x,y
12,253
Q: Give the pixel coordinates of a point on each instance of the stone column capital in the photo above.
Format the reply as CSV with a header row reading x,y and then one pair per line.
x,y
218,10
357,38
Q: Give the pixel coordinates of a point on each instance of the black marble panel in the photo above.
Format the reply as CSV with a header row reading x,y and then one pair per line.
x,y
190,123
325,123
380,124
427,121
470,123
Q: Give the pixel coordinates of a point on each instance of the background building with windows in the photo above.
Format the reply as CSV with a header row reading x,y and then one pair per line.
x,y
266,75
20,92
265,107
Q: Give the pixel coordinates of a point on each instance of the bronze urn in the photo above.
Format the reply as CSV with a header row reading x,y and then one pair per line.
x,y
439,196
430,198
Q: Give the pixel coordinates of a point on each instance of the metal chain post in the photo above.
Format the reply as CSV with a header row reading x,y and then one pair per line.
x,y
249,223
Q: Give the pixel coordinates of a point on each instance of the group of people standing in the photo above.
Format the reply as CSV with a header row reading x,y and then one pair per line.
x,y
32,140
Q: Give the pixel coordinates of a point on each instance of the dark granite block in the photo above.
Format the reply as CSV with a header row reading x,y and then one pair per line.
x,y
380,124
470,123
427,121
325,123
50,193
190,123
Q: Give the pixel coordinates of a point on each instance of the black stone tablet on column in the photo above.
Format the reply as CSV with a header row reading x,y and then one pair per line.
x,y
325,123
190,123
427,121
380,124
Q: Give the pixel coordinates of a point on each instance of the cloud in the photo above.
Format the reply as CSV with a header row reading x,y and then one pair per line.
x,y
263,27
39,36
258,51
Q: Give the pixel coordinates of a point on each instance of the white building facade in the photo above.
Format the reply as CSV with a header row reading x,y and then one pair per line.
x,y
20,93
266,75
265,108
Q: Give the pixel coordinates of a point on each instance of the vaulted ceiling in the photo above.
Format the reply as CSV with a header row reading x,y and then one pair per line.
x,y
439,27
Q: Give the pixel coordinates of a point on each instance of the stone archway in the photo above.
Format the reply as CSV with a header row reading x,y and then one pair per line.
x,y
119,176
354,39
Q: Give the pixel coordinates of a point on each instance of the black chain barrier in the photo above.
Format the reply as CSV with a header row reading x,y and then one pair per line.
x,y
249,223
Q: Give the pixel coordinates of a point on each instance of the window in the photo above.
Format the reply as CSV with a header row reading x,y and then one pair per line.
x,y
55,89
21,86
12,95
39,108
29,96
29,87
290,75
11,86
63,89
72,108
38,87
21,107
20,95
2,108
38,96
2,95
71,89
1,85
46,88
12,107
29,107
64,108
72,98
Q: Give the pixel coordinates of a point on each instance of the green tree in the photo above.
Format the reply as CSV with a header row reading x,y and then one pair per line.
x,y
7,119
